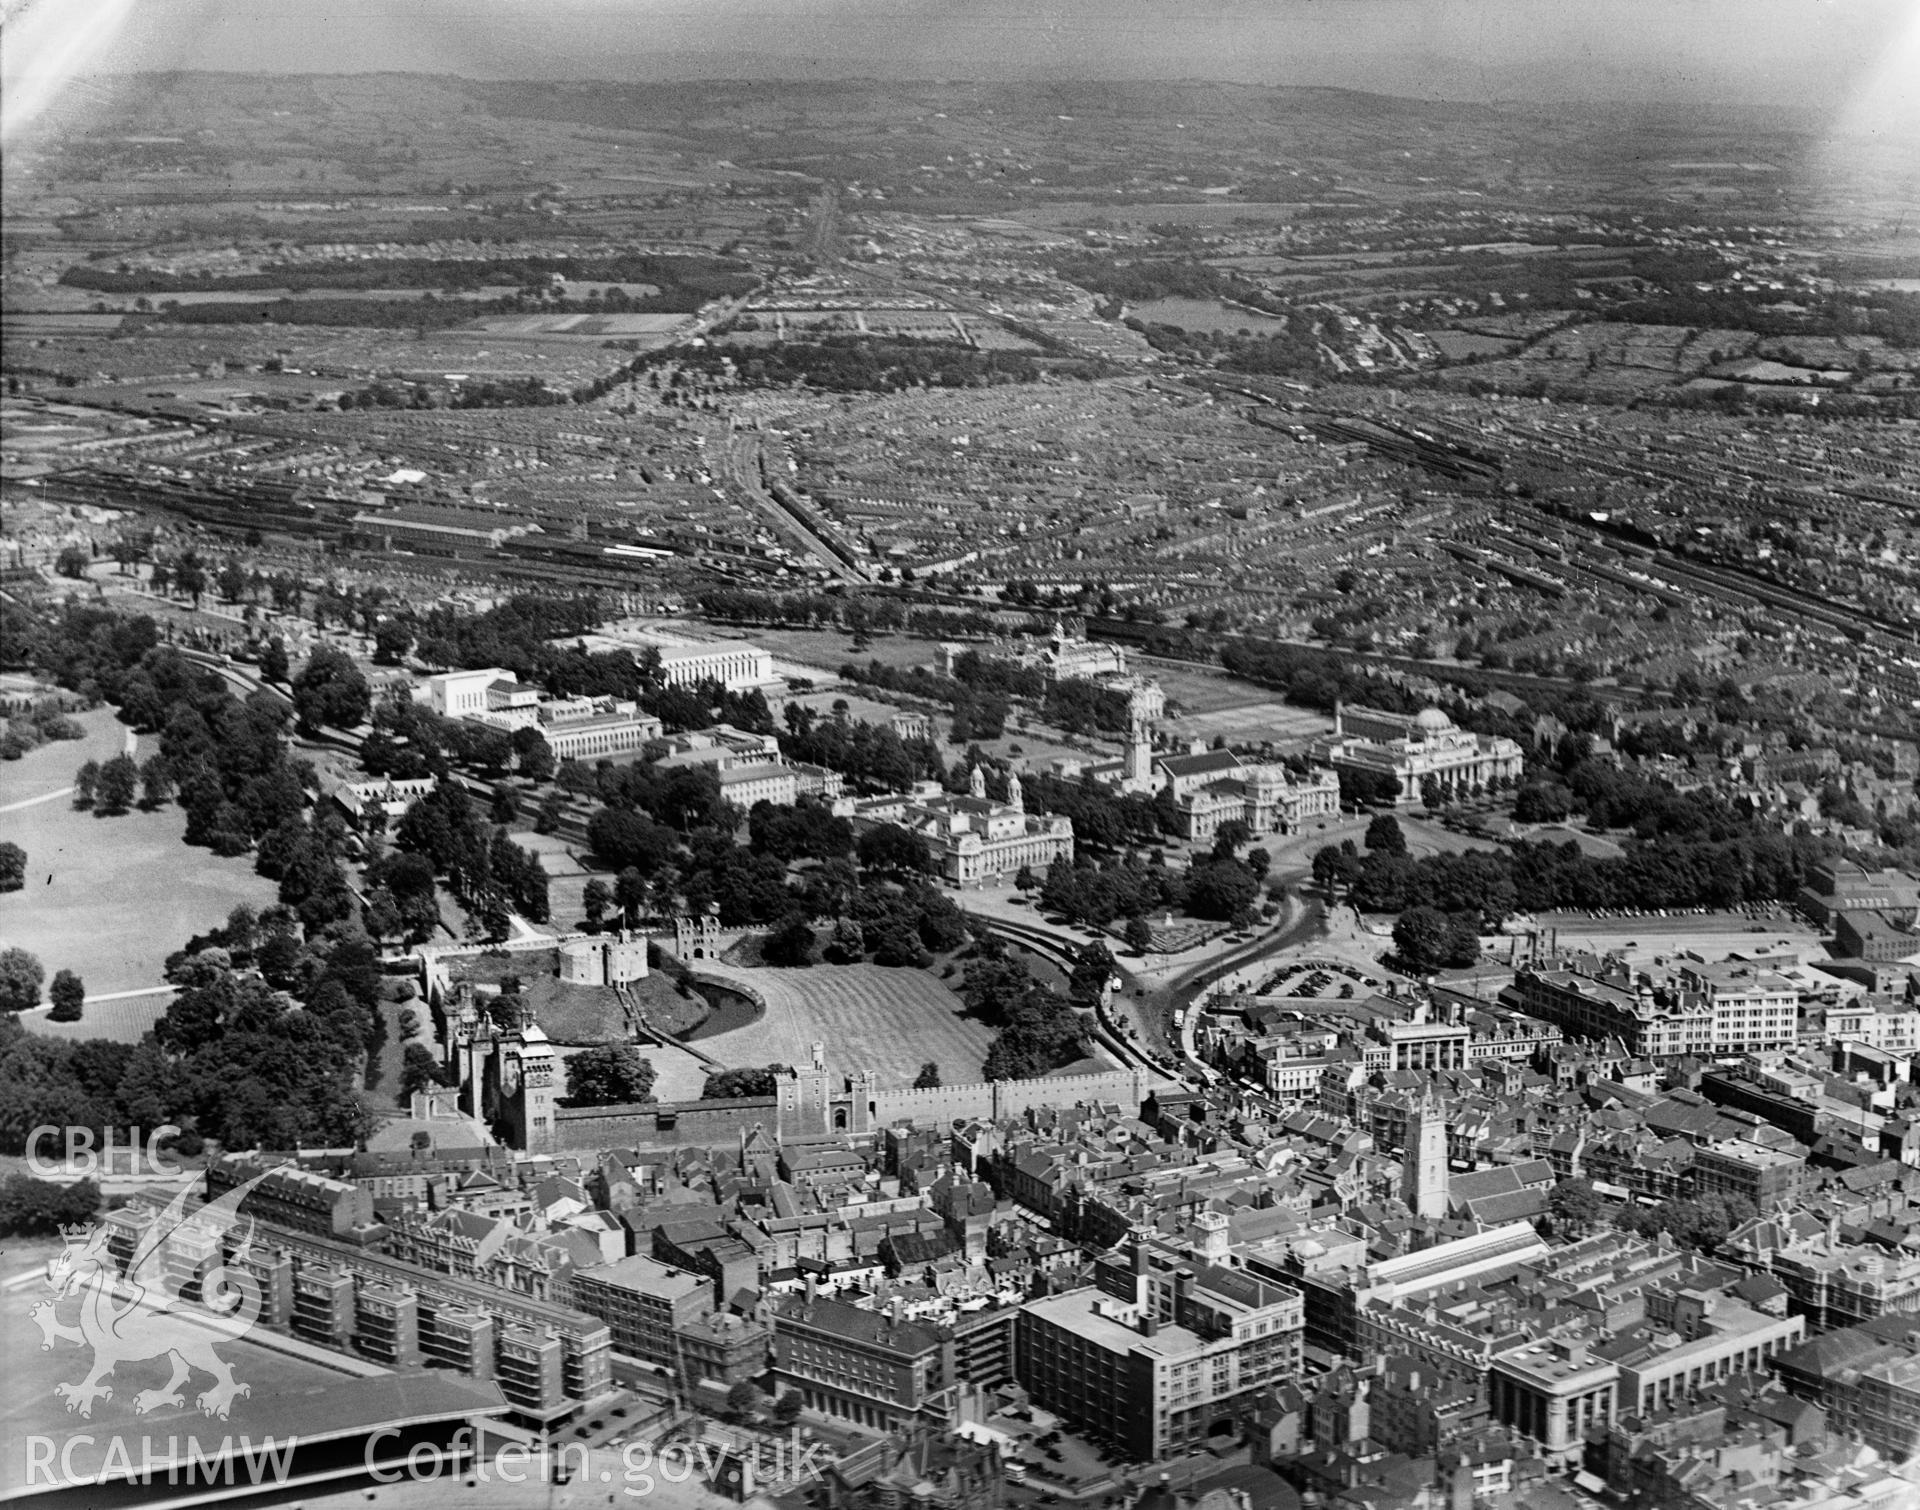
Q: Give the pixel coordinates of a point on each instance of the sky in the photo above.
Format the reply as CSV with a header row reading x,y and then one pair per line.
x,y
1852,65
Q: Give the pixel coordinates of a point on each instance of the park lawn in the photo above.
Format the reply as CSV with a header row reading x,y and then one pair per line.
x,y
48,769
126,1019
111,898
827,649
866,1016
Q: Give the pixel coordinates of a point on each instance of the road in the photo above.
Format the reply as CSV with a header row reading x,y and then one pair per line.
x,y
1047,942
244,681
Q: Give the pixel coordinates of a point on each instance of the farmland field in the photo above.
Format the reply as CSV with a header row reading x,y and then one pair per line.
x,y
869,1017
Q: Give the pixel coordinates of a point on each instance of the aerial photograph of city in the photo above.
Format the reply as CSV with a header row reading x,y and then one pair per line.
x,y
960,754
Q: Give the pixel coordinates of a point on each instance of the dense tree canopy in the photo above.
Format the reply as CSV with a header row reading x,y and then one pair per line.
x,y
609,1074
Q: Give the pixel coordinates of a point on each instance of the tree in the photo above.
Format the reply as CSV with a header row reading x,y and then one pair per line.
x,y
1575,1206
897,949
40,1208
595,898
790,945
1139,935
67,993
786,1410
189,575
533,754
1432,798
609,1074
744,1399
1362,788
419,1070
72,561
392,639
1024,879
119,784
13,866
1218,888
630,894
928,1078
86,785
1092,968
1422,936
1542,802
890,848
331,692
1384,836
20,978
156,782
1231,835
742,1084
274,665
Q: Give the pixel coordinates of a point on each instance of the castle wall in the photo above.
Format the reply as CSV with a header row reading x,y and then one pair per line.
x,y
939,1106
808,1105
1128,1087
665,1124
1005,1098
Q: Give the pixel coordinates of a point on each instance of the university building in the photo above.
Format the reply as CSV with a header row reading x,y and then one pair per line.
x,y
574,728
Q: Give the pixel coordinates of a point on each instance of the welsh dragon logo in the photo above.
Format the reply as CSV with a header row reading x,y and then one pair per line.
x,y
144,1313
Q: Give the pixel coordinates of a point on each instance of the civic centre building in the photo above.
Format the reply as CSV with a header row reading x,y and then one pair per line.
x,y
1412,747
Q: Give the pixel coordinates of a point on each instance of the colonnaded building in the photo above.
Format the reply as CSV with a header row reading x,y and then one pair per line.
x,y
1412,747
1213,787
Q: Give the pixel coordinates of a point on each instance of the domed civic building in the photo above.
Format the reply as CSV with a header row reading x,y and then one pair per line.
x,y
1410,748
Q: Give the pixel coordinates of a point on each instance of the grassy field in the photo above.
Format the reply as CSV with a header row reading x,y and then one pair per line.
x,y
109,898
127,1019
827,649
1212,702
869,1017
